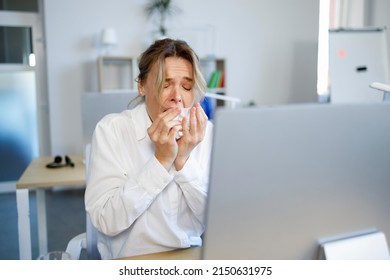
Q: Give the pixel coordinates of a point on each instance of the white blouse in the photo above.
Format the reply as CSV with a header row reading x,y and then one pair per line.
x,y
135,203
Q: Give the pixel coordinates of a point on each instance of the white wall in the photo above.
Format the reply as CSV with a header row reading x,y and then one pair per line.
x,y
270,48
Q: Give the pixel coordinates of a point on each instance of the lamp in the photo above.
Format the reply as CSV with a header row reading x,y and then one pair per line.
x,y
108,38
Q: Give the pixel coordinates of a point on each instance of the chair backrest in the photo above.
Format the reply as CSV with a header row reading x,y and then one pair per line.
x,y
92,234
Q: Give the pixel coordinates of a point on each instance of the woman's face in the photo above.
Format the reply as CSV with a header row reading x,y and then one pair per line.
x,y
177,87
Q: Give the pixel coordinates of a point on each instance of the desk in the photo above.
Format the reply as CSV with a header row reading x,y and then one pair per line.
x,y
193,253
38,177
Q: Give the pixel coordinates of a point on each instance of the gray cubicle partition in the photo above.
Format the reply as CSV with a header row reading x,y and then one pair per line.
x,y
95,105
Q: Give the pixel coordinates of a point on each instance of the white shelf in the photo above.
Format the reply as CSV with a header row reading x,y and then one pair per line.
x,y
116,73
121,90
210,65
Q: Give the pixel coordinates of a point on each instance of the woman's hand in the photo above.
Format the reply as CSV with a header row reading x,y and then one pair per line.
x,y
163,132
192,137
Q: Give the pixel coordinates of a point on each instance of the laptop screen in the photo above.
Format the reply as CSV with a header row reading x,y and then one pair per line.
x,y
284,178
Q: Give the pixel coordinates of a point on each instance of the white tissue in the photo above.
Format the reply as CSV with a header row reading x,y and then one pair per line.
x,y
185,112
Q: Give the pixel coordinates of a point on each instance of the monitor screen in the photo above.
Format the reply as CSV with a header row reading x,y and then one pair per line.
x,y
284,178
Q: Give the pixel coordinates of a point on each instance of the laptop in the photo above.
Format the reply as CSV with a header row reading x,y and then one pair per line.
x,y
284,178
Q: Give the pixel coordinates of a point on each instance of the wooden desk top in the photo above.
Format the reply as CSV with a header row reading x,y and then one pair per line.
x,y
38,176
193,253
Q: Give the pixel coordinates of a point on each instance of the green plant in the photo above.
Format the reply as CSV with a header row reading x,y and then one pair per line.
x,y
161,8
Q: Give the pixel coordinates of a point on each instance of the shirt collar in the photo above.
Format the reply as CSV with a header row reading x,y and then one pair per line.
x,y
141,121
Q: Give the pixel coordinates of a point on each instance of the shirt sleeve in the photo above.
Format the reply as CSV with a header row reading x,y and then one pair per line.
x,y
193,178
113,199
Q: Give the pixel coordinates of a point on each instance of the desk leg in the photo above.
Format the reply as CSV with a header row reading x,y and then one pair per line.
x,y
41,219
24,230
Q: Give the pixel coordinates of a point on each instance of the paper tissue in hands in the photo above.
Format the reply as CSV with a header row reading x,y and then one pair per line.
x,y
185,112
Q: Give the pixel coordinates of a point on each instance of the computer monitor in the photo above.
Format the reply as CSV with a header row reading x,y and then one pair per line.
x,y
284,178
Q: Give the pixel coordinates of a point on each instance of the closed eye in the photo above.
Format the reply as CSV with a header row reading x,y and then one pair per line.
x,y
187,85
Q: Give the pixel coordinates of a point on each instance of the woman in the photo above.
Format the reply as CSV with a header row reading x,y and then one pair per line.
x,y
147,186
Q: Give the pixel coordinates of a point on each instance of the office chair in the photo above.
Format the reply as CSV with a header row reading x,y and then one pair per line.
x,y
86,240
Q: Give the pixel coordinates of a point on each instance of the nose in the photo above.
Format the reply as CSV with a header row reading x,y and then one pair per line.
x,y
176,96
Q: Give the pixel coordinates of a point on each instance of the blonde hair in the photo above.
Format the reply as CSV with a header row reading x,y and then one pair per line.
x,y
158,52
